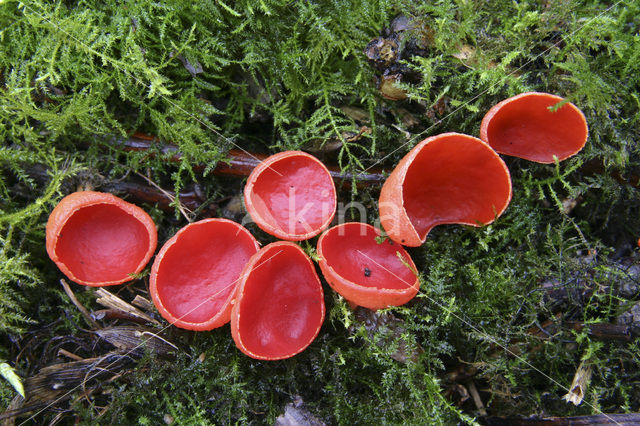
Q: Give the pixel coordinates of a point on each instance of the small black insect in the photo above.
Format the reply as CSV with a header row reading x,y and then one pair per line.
x,y
367,272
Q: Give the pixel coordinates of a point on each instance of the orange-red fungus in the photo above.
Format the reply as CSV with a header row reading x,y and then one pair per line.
x,y
291,195
98,239
450,178
524,126
366,272
195,274
279,306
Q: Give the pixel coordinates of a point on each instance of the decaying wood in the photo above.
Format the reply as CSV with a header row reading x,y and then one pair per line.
x,y
240,163
597,331
190,197
57,383
550,329
476,398
81,308
603,331
143,303
579,384
599,419
116,314
112,301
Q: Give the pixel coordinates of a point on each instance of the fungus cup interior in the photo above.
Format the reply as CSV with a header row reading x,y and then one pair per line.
x,y
524,126
197,271
455,178
98,239
364,271
279,307
291,195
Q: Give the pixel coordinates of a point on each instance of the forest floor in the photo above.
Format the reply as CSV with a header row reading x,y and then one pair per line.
x,y
160,102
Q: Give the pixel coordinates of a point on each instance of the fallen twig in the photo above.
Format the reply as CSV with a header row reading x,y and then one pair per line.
x,y
68,354
191,197
117,314
110,300
241,163
82,309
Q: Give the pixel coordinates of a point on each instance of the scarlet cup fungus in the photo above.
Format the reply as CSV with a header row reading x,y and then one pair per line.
x,y
363,271
98,239
279,306
524,126
291,195
195,274
450,178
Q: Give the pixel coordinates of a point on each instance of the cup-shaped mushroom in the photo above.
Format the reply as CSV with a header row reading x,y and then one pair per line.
x,y
279,307
527,126
197,272
450,178
291,195
364,271
98,239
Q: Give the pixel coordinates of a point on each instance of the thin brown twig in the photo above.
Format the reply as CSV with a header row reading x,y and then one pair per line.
x,y
68,354
81,308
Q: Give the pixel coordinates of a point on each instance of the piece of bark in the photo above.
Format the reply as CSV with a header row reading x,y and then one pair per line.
x,y
56,383
143,303
112,301
579,384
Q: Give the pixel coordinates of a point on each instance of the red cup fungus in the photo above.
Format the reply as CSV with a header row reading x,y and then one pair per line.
x,y
363,271
524,126
98,239
291,195
279,306
449,178
195,274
